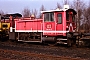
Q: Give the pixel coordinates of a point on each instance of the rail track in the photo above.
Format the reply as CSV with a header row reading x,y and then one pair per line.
x,y
12,50
10,54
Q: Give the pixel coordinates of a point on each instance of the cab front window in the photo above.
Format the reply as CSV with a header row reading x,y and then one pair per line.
x,y
48,17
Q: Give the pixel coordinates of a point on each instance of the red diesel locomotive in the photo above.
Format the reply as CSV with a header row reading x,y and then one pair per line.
x,y
56,26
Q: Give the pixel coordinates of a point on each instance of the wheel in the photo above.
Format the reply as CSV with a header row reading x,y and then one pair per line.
x,y
74,42
69,40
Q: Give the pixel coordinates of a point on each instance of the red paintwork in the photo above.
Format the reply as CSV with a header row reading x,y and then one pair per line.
x,y
61,27
48,28
33,25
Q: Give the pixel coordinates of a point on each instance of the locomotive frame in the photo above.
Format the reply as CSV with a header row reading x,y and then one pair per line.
x,y
56,26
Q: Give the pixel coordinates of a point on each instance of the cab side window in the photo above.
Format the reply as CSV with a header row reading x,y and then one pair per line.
x,y
73,18
59,17
67,16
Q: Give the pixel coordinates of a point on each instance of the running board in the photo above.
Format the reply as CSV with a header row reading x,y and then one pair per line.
x,y
61,39
30,41
61,43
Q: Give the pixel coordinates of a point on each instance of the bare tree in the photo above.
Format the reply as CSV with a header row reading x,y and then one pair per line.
x,y
1,12
86,14
41,9
79,5
34,12
26,12
58,6
65,2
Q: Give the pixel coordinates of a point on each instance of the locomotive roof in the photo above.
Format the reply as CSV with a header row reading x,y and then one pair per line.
x,y
57,10
14,15
74,12
6,16
52,10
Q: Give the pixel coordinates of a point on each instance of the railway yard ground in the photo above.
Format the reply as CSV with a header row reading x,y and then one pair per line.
x,y
36,51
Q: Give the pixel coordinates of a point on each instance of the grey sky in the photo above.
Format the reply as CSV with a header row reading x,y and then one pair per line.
x,y
16,6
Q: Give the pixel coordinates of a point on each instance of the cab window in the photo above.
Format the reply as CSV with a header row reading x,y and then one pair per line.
x,y
67,16
59,17
48,17
73,18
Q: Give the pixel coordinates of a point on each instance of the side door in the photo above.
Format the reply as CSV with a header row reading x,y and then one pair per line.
x,y
59,23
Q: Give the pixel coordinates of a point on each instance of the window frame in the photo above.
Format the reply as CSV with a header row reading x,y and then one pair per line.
x,y
73,18
50,17
58,19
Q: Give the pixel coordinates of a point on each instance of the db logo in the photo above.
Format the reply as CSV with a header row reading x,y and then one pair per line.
x,y
48,26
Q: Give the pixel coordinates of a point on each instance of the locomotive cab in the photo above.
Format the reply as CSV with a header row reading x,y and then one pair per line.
x,y
58,23
4,28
